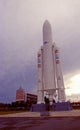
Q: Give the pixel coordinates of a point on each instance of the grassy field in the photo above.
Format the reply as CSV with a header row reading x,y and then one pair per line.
x,y
10,112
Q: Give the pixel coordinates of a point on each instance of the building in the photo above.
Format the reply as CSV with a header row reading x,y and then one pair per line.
x,y
20,95
32,98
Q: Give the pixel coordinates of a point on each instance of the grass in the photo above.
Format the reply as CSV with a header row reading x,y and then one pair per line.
x,y
10,112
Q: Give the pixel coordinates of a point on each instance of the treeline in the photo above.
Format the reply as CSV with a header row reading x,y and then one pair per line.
x,y
20,105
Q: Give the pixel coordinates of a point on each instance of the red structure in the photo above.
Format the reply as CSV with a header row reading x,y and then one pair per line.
x,y
20,94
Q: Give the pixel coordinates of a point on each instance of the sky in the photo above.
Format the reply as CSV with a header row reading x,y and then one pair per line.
x,y
21,24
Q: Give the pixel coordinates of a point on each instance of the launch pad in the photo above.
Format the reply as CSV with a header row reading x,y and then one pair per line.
x,y
63,106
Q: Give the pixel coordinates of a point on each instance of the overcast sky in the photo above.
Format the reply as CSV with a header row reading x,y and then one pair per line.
x,y
21,24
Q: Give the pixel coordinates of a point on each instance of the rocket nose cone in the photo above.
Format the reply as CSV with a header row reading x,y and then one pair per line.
x,y
46,24
47,32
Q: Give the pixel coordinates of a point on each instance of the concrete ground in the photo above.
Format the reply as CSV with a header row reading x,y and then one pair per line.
x,y
72,113
59,120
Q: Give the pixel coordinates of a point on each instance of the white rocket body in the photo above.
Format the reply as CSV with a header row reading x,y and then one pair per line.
x,y
50,78
59,77
48,62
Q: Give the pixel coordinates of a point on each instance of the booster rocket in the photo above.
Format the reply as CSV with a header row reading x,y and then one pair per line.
x,y
50,78
59,77
40,78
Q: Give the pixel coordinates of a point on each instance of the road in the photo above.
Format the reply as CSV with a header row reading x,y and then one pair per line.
x,y
40,123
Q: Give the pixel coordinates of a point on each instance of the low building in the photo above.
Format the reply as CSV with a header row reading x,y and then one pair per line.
x,y
32,98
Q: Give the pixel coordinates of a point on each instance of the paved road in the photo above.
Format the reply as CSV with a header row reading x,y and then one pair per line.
x,y
40,123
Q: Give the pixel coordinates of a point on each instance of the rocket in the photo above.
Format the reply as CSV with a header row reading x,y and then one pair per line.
x,y
50,78
48,62
59,76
